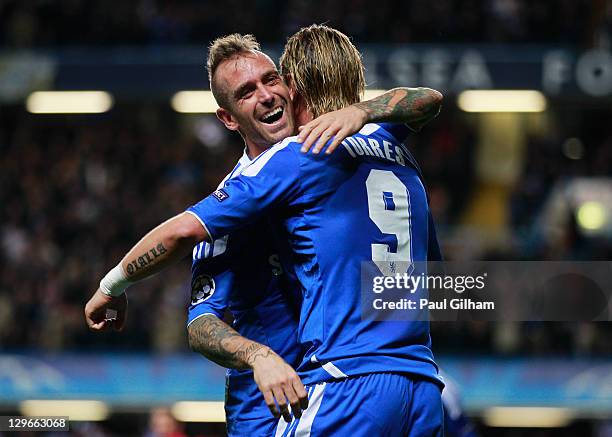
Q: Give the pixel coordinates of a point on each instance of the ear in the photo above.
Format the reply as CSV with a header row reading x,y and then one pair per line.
x,y
291,85
227,119
299,104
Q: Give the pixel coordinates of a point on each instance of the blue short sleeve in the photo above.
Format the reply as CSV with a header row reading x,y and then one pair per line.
x,y
212,281
209,294
272,179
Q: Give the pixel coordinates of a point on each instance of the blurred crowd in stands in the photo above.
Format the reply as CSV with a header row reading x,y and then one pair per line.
x,y
47,23
77,191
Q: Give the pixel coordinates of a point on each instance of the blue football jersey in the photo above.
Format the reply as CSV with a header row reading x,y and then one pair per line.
x,y
364,202
242,272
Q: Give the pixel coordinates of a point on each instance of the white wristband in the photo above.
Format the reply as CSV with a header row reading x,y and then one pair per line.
x,y
115,282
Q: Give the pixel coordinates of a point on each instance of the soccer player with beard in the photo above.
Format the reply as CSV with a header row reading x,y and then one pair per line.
x,y
247,119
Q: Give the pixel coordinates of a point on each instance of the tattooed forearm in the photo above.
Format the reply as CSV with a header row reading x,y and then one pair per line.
x,y
218,342
413,106
145,259
163,246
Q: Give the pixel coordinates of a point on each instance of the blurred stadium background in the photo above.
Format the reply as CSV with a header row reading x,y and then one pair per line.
x,y
522,176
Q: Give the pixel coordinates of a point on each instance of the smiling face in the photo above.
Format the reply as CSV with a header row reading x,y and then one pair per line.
x,y
257,100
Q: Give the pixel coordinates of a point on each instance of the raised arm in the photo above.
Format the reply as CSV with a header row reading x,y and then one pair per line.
x,y
160,248
412,106
217,341
257,191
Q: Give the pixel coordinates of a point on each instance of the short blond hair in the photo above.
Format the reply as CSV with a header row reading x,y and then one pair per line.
x,y
325,68
222,49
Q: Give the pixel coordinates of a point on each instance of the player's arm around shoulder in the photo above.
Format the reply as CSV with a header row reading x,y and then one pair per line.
x,y
414,107
277,381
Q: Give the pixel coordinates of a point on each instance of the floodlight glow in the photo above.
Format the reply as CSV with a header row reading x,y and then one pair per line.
x,y
194,102
69,102
591,216
77,410
527,417
191,411
502,101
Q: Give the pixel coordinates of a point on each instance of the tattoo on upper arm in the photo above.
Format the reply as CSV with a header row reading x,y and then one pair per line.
x,y
220,343
146,259
403,105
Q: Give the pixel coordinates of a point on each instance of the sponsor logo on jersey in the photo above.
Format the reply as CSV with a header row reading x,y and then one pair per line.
x,y
275,264
220,194
202,287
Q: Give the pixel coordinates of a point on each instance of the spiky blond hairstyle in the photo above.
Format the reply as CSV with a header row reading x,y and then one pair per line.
x,y
325,68
222,49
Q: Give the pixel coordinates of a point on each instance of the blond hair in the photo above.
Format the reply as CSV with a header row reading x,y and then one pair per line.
x,y
325,68
223,49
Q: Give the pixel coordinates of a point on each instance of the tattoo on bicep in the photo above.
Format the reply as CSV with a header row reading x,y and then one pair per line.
x,y
220,343
401,105
146,259
376,108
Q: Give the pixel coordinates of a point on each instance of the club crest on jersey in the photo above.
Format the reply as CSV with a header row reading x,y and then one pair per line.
x,y
220,194
202,287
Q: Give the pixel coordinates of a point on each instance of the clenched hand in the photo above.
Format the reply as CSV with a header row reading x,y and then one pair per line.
x,y
96,312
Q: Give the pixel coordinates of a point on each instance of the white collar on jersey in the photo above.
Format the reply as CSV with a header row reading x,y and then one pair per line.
x,y
244,159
